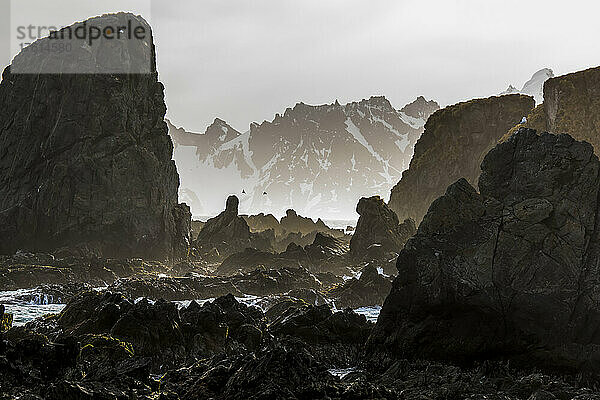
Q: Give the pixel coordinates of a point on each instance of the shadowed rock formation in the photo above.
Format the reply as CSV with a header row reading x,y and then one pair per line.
x,y
378,227
512,271
85,159
228,233
453,145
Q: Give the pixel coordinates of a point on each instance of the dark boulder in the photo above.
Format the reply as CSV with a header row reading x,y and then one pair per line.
x,y
86,160
378,226
511,271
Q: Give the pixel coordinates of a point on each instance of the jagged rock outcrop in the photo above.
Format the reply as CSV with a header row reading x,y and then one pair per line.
x,y
452,147
228,233
85,159
378,227
571,105
511,271
227,226
315,159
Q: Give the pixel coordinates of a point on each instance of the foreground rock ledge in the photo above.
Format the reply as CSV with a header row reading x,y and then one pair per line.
x,y
512,271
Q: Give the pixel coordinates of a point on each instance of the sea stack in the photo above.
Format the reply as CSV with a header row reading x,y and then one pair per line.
x,y
85,155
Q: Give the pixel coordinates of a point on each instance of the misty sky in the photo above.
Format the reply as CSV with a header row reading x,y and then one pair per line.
x,y
244,60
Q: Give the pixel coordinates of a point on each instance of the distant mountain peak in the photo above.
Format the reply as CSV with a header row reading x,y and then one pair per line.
x,y
534,86
317,159
420,108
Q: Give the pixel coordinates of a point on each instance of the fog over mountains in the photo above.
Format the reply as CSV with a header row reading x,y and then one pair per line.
x,y
534,86
318,160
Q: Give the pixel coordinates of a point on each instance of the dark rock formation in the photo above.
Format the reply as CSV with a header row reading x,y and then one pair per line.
x,y
106,346
336,337
228,233
292,222
378,227
370,289
571,105
24,270
227,226
85,159
453,145
512,271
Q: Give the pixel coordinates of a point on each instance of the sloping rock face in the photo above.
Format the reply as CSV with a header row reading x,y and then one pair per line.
x,y
378,226
571,105
85,160
453,145
513,271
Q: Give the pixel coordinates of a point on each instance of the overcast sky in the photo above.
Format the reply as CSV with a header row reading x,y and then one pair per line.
x,y
245,60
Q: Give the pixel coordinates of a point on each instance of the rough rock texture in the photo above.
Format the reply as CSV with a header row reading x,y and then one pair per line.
x,y
571,105
378,226
512,271
453,145
85,160
106,346
228,233
370,289
227,226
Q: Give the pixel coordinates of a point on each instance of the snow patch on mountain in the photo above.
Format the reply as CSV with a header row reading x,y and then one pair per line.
x,y
318,160
534,86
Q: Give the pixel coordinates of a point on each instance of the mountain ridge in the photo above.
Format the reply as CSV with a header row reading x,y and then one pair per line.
x,y
316,159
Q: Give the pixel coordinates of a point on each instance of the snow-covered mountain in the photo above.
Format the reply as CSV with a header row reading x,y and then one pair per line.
x,y
534,86
318,160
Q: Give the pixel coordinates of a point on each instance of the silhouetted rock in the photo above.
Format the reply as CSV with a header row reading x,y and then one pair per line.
x,y
86,159
512,271
229,233
378,226
453,145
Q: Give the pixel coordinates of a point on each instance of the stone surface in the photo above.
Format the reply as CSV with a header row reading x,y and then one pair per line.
x,y
370,289
378,227
85,160
510,271
453,145
571,106
229,233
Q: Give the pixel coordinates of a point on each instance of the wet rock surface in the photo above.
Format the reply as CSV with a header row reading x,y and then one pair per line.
x,y
508,272
107,346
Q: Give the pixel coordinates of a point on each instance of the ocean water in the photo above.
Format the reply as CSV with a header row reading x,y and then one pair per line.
x,y
28,304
